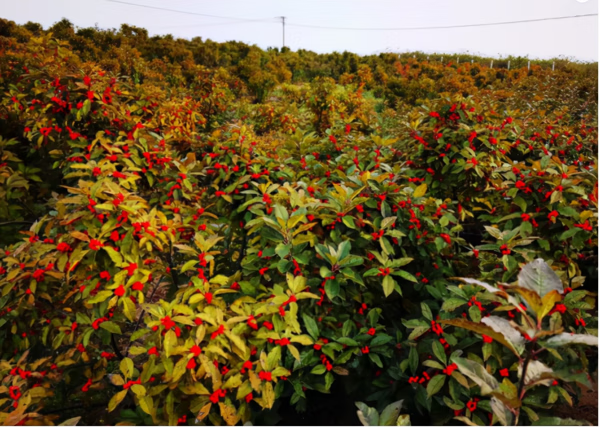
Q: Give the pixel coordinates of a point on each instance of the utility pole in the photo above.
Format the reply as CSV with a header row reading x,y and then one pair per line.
x,y
283,27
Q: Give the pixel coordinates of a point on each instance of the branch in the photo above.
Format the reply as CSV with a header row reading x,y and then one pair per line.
x,y
70,408
137,325
522,382
16,222
115,347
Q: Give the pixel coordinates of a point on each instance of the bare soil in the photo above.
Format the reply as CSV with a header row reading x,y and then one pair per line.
x,y
585,409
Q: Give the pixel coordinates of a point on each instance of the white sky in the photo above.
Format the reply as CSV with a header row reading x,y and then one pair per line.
x,y
572,38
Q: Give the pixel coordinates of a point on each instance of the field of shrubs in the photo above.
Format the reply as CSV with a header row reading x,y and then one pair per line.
x,y
201,233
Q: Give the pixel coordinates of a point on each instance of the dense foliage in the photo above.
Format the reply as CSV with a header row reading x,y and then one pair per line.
x,y
197,232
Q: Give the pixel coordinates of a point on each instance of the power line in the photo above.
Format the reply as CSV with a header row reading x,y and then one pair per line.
x,y
442,27
182,11
354,28
201,26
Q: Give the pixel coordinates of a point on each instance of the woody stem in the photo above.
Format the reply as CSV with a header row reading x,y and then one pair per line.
x,y
137,324
522,382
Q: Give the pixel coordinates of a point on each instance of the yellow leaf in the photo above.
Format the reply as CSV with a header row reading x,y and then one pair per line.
x,y
254,380
138,389
80,236
548,302
229,414
70,422
179,370
126,367
462,380
196,298
237,342
204,411
114,256
420,190
302,339
147,405
585,215
170,342
129,309
188,266
116,399
116,379
268,395
294,352
233,382
220,280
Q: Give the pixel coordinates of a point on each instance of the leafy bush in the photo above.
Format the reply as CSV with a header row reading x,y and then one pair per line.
x,y
185,256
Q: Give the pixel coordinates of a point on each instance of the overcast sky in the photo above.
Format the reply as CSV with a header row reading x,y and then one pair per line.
x,y
575,38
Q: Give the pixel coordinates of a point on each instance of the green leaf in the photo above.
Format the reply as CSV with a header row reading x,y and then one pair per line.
x,y
520,203
318,370
567,339
526,228
353,275
435,384
494,232
400,262
501,411
426,311
281,212
540,278
111,327
376,359
486,382
380,339
405,275
370,272
283,250
568,211
114,255
368,416
433,364
273,358
503,326
349,222
556,421
569,233
188,266
347,341
387,222
475,314
100,297
453,303
390,414
481,329
388,285
351,261
413,360
311,326
344,249
332,288
438,351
